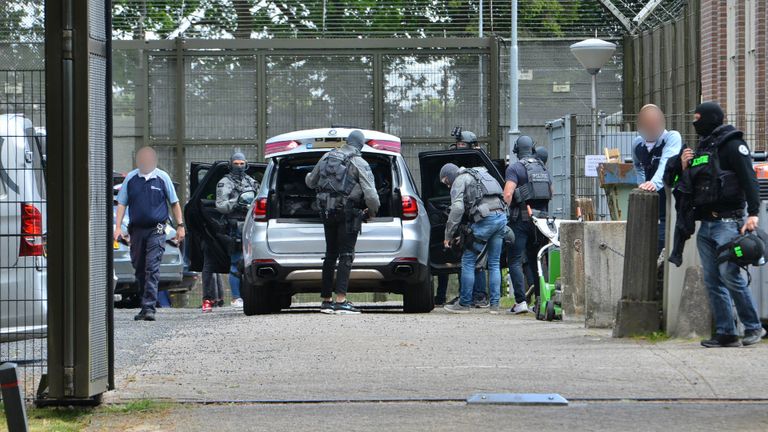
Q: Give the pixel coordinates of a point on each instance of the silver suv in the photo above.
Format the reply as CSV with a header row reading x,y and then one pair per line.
x,y
283,240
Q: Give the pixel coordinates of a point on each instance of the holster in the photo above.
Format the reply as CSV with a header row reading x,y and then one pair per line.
x,y
354,220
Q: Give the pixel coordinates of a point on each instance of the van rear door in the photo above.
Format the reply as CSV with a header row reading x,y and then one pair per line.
x,y
437,199
294,226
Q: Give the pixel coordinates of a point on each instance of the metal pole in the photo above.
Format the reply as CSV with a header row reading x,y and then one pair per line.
x,y
480,102
13,400
596,139
180,160
514,130
594,114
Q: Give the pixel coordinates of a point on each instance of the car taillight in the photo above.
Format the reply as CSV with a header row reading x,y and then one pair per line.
x,y
260,210
31,231
410,208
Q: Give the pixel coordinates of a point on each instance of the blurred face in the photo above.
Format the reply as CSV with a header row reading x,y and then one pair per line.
x,y
146,160
650,124
445,181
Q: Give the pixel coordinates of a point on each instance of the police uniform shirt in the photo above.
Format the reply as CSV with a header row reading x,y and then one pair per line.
x,y
517,173
147,197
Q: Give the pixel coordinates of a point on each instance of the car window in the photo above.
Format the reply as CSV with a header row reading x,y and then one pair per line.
x,y
38,163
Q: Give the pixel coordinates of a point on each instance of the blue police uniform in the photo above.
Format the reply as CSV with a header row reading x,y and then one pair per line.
x,y
147,197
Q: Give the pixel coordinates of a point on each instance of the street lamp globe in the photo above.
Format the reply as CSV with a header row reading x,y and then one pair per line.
x,y
593,54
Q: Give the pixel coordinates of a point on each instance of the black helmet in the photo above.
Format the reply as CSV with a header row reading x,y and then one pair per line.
x,y
542,154
744,250
523,146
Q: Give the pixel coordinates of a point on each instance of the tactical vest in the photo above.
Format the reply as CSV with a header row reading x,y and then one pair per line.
x,y
335,184
712,184
485,197
649,160
539,185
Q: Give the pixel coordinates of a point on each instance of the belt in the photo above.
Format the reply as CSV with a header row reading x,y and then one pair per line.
x,y
731,214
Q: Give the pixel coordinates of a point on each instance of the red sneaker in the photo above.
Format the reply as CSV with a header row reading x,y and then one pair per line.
x,y
207,306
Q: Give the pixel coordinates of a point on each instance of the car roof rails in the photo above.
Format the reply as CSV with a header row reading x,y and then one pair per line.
x,y
759,156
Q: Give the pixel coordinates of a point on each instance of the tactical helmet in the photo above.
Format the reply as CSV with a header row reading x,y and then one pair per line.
x,y
542,154
744,250
523,146
468,137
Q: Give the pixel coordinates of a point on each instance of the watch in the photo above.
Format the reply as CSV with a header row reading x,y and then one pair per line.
x,y
181,225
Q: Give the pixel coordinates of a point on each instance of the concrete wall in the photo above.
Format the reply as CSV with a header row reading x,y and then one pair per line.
x,y
592,267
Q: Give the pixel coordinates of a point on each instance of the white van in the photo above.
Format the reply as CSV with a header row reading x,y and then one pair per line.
x,y
23,274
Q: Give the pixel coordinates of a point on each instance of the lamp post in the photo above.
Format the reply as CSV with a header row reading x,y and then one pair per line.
x,y
514,130
593,54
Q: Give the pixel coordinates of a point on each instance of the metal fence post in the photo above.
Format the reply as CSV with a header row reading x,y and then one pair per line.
x,y
180,162
378,92
13,400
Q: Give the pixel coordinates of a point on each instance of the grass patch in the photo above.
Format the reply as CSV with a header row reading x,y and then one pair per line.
x,y
74,419
140,406
655,337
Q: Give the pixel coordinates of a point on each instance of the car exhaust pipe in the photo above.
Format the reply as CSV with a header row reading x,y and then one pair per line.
x,y
403,270
266,272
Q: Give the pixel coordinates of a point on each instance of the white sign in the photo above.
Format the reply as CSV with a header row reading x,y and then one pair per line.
x,y
590,164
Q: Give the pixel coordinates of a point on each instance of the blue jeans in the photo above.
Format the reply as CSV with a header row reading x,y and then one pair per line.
x,y
478,291
234,280
725,283
491,230
522,230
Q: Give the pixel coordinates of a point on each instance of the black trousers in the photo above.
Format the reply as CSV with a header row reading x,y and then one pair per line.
x,y
340,239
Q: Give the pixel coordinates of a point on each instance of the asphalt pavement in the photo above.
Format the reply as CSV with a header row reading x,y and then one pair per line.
x,y
418,369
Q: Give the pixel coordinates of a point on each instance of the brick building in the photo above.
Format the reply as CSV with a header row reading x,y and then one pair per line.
x,y
734,49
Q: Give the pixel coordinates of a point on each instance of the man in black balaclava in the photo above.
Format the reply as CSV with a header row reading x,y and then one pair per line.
x,y
723,183
230,202
528,184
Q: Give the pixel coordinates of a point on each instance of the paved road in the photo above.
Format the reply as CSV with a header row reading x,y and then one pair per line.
x,y
454,417
300,355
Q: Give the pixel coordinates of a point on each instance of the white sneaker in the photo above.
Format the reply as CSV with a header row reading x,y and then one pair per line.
x,y
237,303
520,308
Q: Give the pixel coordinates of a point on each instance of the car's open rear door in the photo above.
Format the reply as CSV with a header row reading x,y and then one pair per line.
x,y
437,200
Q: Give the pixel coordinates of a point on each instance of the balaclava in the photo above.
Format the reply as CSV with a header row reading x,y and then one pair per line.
x,y
236,171
710,118
449,170
356,139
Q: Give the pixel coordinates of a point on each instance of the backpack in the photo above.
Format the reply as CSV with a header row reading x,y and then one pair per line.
x,y
335,184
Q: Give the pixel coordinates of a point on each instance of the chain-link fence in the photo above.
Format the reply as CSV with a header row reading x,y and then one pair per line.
x,y
23,264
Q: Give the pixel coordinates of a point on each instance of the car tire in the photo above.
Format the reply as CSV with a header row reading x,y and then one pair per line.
x,y
418,297
257,300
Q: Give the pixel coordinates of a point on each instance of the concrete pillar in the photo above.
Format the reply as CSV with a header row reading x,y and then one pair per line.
x,y
572,267
637,312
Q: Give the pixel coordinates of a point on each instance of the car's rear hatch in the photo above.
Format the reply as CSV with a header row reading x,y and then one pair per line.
x,y
294,225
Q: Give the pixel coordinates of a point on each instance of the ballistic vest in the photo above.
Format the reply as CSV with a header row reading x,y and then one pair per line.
x,y
712,184
649,160
484,196
539,185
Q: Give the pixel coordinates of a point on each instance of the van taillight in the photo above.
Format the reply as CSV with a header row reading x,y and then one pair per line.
x,y
260,210
410,208
31,231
